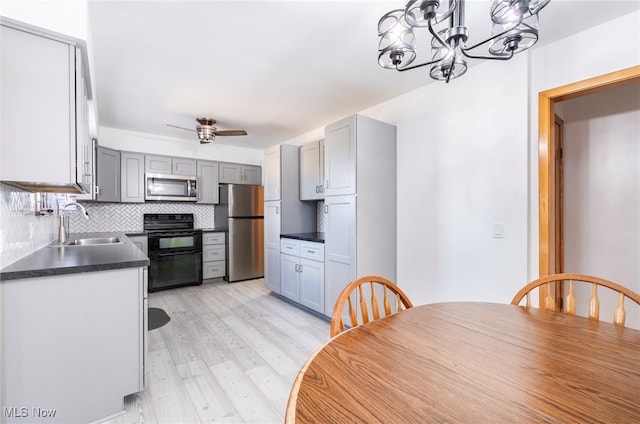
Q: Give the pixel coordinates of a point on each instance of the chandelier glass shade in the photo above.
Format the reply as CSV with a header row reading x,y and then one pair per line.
x,y
514,28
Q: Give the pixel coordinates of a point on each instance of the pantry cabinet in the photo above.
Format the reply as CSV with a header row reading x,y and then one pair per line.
x,y
360,203
312,171
44,110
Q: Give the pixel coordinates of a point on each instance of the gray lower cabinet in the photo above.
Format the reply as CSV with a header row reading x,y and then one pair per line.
x,y
131,177
302,272
214,263
86,344
107,174
208,186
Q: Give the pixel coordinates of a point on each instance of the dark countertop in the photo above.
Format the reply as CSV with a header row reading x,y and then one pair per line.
x,y
316,237
140,234
49,261
214,230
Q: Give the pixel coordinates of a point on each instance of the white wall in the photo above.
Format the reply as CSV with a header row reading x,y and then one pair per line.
x,y
460,152
602,192
608,47
149,143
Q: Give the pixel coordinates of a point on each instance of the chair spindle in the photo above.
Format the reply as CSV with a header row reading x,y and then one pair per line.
x,y
619,315
375,308
352,313
549,304
570,307
594,303
385,300
364,312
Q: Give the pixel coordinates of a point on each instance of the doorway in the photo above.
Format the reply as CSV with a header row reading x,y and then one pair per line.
x,y
550,240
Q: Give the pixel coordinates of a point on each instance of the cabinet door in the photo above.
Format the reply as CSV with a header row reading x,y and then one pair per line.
x,y
108,175
310,179
157,165
339,247
208,187
132,177
312,284
272,173
230,173
84,145
251,174
340,157
290,277
36,108
272,245
182,166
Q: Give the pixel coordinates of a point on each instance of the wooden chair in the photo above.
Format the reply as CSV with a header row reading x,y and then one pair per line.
x,y
619,314
376,284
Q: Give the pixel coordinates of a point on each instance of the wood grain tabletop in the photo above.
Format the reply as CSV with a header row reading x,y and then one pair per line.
x,y
473,363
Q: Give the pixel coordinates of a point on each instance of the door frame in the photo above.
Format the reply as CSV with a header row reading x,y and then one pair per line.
x,y
547,244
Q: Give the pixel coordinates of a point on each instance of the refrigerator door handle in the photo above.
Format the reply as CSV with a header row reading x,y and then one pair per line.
x,y
277,210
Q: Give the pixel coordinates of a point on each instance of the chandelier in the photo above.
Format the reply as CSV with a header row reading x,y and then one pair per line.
x,y
514,28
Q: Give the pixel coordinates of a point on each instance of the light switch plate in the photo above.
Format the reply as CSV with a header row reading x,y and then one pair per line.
x,y
498,230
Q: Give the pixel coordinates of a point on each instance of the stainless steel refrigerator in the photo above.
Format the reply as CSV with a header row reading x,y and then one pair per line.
x,y
241,212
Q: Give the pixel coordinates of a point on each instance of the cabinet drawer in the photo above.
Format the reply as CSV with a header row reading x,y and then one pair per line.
x,y
213,270
311,250
213,253
212,238
290,247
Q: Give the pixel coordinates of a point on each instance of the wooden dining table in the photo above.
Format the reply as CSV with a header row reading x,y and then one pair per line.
x,y
469,362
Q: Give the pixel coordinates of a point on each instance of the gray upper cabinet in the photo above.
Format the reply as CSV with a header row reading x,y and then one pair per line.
x,y
131,177
183,166
43,110
340,157
169,166
251,174
108,174
230,173
157,165
238,173
312,171
208,185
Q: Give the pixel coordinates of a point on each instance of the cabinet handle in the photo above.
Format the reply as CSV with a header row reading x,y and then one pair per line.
x,y
326,208
277,210
310,251
297,268
326,183
321,189
300,268
317,189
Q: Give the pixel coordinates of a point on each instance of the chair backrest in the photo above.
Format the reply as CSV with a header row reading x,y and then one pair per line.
x,y
619,314
379,288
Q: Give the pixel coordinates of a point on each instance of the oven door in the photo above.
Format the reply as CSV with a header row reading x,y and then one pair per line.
x,y
175,242
170,270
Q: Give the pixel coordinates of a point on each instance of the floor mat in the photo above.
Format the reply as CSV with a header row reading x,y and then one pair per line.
x,y
157,318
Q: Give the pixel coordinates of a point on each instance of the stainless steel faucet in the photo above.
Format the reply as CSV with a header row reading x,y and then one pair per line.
x,y
63,232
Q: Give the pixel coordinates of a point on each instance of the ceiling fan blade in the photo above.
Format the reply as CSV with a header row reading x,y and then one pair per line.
x,y
182,128
231,132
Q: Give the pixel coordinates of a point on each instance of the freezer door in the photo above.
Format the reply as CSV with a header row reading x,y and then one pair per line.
x,y
246,248
245,200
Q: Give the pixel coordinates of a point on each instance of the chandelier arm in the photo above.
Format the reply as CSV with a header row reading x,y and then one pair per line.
x,y
488,57
436,35
418,65
493,37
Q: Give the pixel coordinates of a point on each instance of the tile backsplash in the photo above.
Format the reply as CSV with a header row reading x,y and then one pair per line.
x,y
127,217
320,216
21,231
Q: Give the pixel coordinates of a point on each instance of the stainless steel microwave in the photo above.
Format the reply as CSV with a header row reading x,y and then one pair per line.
x,y
171,188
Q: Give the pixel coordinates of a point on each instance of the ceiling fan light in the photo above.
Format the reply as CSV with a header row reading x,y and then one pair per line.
x,y
206,133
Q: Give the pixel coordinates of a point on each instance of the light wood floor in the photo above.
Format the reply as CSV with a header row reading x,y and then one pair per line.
x,y
229,354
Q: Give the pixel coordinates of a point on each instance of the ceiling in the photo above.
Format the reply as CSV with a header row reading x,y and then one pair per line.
x,y
275,69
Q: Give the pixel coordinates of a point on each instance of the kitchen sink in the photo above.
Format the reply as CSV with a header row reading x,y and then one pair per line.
x,y
94,241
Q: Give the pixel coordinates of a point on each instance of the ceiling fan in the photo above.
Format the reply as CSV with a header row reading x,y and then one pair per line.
x,y
207,132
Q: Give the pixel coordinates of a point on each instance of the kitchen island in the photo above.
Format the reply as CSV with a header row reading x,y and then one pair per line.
x,y
73,331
